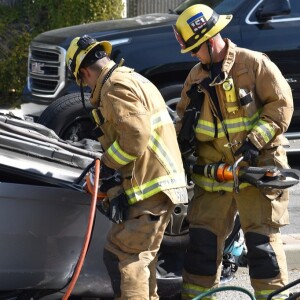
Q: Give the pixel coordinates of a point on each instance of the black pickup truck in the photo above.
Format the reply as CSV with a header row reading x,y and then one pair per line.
x,y
148,45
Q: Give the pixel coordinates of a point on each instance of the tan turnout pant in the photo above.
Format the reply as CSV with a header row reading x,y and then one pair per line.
x,y
262,213
136,242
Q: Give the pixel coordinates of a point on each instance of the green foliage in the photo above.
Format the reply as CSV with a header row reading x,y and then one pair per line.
x,y
21,23
45,15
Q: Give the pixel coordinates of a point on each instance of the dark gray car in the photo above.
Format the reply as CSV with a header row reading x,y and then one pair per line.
x,y
44,211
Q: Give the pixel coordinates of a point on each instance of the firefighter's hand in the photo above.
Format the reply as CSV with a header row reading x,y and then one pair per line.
x,y
116,209
107,184
109,178
249,151
105,172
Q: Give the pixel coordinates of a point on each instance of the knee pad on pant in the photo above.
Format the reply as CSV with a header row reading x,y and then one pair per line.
x,y
201,254
111,262
261,256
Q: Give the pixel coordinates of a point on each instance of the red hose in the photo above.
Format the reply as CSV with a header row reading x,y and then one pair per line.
x,y
88,233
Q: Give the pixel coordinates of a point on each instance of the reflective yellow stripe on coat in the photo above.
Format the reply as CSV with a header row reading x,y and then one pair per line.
x,y
148,189
157,145
265,130
235,125
120,156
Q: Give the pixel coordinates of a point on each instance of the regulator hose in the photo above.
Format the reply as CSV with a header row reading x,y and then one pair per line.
x,y
224,288
87,235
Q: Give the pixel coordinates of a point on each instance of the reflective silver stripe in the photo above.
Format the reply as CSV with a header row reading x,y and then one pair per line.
x,y
120,156
148,189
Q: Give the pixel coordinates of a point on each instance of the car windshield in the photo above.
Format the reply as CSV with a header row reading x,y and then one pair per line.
x,y
220,6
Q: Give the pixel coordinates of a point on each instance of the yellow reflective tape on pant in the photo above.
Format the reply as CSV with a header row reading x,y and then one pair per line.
x,y
263,295
120,156
191,291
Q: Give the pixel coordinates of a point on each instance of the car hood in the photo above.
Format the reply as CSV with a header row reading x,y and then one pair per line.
x,y
105,28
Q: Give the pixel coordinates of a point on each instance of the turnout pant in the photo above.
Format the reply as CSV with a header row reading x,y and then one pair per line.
x,y
131,249
211,217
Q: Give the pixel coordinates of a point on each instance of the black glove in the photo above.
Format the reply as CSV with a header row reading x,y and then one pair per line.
x,y
249,151
109,178
107,184
116,209
105,172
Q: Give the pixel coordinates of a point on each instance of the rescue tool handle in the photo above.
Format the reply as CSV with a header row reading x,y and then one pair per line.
x,y
198,169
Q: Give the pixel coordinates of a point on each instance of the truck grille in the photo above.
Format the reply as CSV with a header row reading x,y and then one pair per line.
x,y
46,70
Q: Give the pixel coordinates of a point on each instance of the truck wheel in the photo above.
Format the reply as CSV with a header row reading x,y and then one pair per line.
x,y
171,94
67,117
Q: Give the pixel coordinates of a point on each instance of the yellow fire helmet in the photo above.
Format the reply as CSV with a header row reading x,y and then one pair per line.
x,y
197,24
78,50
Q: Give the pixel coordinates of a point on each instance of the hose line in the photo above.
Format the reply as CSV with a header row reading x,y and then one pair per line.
x,y
224,288
88,233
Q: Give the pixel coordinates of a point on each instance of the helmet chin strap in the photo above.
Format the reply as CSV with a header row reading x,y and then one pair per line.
x,y
83,101
209,47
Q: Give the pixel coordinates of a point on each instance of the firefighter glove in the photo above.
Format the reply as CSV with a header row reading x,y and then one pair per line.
x,y
249,152
105,172
116,209
107,184
109,178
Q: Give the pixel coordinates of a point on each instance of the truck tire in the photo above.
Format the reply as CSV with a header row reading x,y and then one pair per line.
x,y
171,95
67,117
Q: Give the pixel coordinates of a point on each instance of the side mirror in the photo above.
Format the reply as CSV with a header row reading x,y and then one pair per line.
x,y
272,8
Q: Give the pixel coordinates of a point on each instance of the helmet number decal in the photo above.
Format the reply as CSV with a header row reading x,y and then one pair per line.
x,y
197,22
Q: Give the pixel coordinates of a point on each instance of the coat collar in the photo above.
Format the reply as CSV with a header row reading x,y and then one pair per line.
x,y
227,63
96,93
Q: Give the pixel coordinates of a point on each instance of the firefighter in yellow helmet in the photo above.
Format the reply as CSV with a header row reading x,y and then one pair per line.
x,y
141,167
243,106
